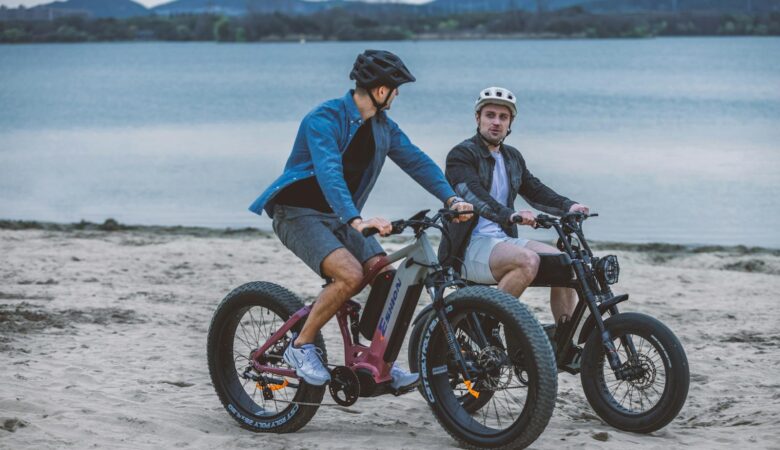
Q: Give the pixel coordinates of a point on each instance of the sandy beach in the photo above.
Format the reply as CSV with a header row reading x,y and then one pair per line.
x,y
103,344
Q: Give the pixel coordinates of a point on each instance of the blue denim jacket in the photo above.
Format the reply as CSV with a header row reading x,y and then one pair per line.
x,y
323,137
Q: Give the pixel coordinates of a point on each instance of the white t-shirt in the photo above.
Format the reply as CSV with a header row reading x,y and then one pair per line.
x,y
499,190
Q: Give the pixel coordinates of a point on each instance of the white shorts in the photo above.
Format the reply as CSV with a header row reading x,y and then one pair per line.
x,y
476,260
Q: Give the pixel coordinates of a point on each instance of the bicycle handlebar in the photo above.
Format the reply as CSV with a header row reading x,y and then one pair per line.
x,y
398,227
545,221
369,231
425,222
542,220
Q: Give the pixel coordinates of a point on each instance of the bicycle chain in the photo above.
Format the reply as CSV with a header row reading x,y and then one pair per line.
x,y
310,403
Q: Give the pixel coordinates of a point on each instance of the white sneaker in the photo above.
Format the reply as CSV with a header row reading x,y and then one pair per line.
x,y
307,362
402,379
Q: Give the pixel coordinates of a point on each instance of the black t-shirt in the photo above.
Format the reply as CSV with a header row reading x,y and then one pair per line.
x,y
355,160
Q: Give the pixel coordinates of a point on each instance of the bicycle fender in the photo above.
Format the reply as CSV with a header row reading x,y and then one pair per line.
x,y
590,322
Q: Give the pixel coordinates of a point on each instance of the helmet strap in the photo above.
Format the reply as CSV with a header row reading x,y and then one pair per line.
x,y
377,105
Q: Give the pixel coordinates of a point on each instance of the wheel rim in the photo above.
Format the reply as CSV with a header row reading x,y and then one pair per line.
x,y
647,379
499,363
248,329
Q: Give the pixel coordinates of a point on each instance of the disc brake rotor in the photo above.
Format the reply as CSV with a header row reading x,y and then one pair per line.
x,y
643,372
498,374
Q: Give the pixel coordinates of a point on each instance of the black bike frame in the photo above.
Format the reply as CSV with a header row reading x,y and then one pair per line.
x,y
594,296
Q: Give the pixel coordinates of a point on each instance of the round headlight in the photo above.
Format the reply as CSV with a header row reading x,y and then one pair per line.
x,y
608,269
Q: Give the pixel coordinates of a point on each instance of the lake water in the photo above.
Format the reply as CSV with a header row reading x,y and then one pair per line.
x,y
670,140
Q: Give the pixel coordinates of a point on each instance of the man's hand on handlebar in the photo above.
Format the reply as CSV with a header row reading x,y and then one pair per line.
x,y
577,207
384,226
461,207
524,217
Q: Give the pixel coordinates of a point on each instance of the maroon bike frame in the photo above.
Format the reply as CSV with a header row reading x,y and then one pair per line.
x,y
357,356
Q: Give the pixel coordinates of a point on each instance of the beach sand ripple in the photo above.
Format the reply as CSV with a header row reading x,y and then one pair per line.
x,y
103,330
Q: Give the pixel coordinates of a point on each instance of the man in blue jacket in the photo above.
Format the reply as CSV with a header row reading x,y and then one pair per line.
x,y
315,204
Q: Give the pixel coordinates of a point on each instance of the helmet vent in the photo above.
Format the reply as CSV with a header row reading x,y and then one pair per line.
x,y
374,68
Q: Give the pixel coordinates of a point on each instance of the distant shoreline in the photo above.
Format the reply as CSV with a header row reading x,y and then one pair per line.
x,y
112,226
422,38
347,26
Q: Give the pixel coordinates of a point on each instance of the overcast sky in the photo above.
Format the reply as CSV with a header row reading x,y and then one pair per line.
x,y
148,3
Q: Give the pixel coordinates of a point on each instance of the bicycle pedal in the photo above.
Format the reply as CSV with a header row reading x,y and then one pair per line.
x,y
406,389
574,358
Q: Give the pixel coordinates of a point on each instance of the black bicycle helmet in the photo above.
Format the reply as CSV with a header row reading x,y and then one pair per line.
x,y
379,68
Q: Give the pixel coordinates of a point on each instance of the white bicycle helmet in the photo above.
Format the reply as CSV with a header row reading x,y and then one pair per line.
x,y
497,96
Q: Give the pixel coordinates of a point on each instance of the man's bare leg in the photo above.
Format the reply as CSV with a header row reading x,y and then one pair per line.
x,y
514,267
562,300
347,275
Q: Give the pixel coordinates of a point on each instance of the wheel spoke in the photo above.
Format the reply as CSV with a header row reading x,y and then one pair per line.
x,y
256,334
246,340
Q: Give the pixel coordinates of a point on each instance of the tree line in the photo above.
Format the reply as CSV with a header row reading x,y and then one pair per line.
x,y
341,25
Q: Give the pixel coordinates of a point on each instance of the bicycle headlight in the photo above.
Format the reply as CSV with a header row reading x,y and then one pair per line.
x,y
608,269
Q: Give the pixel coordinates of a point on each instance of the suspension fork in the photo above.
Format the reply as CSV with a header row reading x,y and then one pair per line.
x,y
590,298
626,340
438,305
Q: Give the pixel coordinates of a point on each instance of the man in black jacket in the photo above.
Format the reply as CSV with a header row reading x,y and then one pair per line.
x,y
490,174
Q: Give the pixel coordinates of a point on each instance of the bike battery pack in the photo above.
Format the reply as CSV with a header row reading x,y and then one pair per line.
x,y
375,303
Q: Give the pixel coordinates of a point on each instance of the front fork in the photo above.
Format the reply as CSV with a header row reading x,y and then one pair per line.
x,y
437,294
438,305
606,339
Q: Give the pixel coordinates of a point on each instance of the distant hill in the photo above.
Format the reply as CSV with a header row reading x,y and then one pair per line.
x,y
602,6
714,6
119,9
241,7
128,8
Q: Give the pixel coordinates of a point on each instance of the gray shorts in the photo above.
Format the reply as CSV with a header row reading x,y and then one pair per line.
x,y
476,260
313,235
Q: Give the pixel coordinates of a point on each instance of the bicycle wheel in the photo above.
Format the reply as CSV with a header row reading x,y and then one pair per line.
x,y
466,340
509,358
246,319
656,384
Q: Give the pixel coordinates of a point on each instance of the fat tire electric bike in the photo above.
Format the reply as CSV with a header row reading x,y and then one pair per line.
x,y
633,369
510,371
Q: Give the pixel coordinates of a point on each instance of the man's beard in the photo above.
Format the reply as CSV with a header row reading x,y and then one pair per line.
x,y
489,139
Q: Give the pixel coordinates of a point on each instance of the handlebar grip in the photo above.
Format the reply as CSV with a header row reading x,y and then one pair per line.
x,y
369,231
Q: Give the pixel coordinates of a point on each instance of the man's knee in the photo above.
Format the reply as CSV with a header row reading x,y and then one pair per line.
x,y
527,260
344,269
514,260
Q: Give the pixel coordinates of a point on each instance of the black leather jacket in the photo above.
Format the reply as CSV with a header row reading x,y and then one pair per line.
x,y
470,172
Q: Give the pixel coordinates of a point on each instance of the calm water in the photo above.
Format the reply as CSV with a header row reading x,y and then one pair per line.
x,y
673,140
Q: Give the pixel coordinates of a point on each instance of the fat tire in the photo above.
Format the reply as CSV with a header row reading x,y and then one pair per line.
x,y
540,402
285,304
675,364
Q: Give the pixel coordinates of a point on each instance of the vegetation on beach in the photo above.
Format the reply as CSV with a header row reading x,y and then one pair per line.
x,y
342,25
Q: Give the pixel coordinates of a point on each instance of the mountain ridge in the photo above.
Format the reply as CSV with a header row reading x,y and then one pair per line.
x,y
121,9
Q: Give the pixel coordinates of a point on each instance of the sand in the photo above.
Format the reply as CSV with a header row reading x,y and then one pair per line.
x,y
103,344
